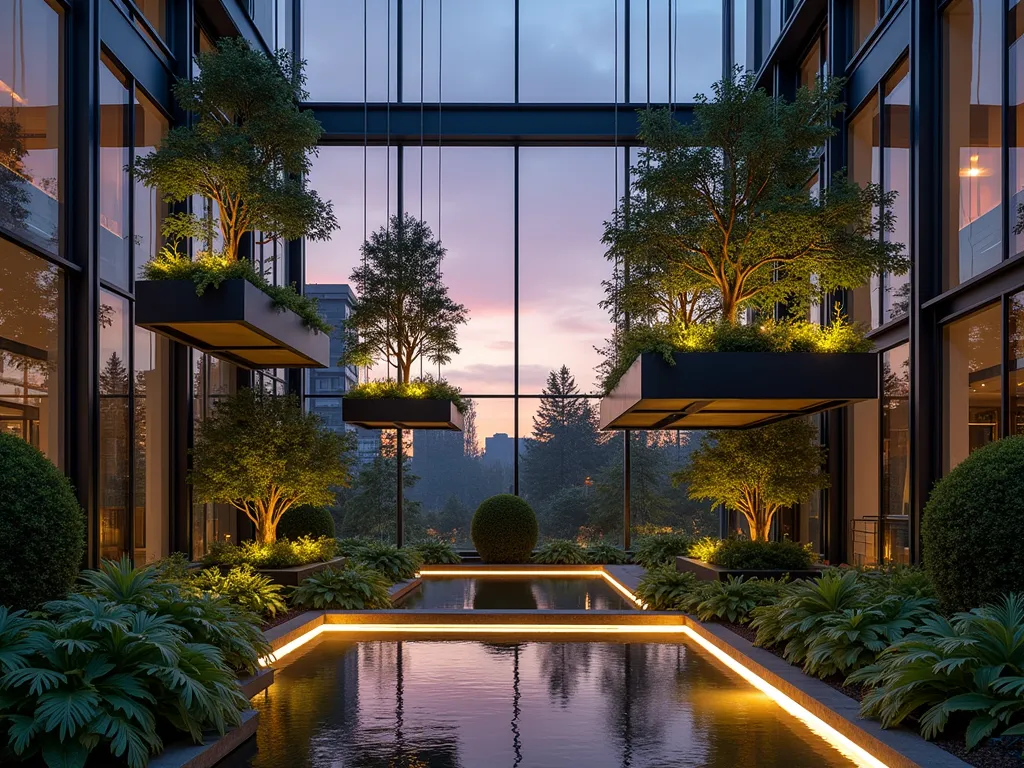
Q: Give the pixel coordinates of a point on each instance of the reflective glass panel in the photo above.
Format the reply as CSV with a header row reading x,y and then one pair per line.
x,y
115,446
114,181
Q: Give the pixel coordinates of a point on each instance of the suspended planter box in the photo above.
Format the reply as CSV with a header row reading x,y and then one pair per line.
x,y
236,322
401,413
736,390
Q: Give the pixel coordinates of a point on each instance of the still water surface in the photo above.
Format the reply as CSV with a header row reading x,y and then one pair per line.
x,y
346,701
527,593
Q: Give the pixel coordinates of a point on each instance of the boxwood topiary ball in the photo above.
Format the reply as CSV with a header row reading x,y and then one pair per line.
x,y
504,530
305,520
969,527
42,528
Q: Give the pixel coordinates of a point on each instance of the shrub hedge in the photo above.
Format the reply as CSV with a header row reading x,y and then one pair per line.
x,y
306,520
504,530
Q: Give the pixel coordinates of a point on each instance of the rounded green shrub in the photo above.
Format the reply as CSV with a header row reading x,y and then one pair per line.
x,y
306,520
504,530
970,548
42,528
762,555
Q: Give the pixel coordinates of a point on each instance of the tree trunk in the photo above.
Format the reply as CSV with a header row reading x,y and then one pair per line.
x,y
266,532
729,310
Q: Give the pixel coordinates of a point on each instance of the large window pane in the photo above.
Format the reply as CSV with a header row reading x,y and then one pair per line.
x,y
477,228
864,17
865,168
972,382
333,47
675,50
211,380
568,50
369,507
115,448
1015,355
456,471
896,454
565,195
31,347
862,489
31,120
114,182
152,411
896,173
972,130
150,128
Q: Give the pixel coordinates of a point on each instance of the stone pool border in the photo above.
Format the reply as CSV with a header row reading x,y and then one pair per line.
x,y
805,697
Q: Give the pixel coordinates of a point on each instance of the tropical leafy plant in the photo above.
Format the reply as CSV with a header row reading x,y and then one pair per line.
x,y
560,552
263,454
347,547
762,555
704,548
435,552
388,560
663,588
733,599
424,388
353,589
661,549
243,585
604,553
970,667
279,554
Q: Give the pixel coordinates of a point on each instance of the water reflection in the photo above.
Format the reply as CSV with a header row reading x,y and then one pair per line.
x,y
512,593
363,702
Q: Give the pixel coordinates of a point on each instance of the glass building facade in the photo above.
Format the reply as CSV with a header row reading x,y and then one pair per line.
x,y
509,127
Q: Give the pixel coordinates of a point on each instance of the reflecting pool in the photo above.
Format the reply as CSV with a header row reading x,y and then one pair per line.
x,y
577,593
345,700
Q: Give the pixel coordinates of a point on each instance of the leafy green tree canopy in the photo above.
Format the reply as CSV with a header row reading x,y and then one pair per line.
x,y
719,214
248,149
403,312
264,455
757,472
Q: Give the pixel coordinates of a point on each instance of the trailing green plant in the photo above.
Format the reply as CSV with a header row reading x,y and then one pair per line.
x,y
805,609
424,388
504,529
244,586
210,270
733,599
96,675
603,553
853,637
663,588
263,454
703,549
354,588
278,554
207,618
435,552
42,528
970,667
560,552
388,560
968,544
762,555
347,547
306,520
661,549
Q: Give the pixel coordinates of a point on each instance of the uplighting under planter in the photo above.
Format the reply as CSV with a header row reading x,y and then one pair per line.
x,y
736,390
401,413
235,321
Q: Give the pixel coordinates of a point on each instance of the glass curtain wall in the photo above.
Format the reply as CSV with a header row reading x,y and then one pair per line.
x,y
518,222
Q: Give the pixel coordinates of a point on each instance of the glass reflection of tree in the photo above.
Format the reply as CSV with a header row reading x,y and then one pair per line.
x,y
564,665
629,684
14,196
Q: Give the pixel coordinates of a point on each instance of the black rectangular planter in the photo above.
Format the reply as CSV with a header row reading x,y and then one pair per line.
x,y
401,413
707,572
294,575
236,322
736,390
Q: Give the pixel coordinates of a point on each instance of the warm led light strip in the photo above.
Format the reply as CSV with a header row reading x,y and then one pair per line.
x,y
468,572
844,745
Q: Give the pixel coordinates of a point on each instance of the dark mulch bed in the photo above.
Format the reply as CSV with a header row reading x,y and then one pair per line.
x,y
994,753
281,618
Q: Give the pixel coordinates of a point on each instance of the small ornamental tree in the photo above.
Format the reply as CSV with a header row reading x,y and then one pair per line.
x,y
403,313
757,472
263,455
247,151
719,216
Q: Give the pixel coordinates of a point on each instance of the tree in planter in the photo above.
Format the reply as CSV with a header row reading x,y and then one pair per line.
x,y
247,152
757,472
719,214
403,313
263,455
